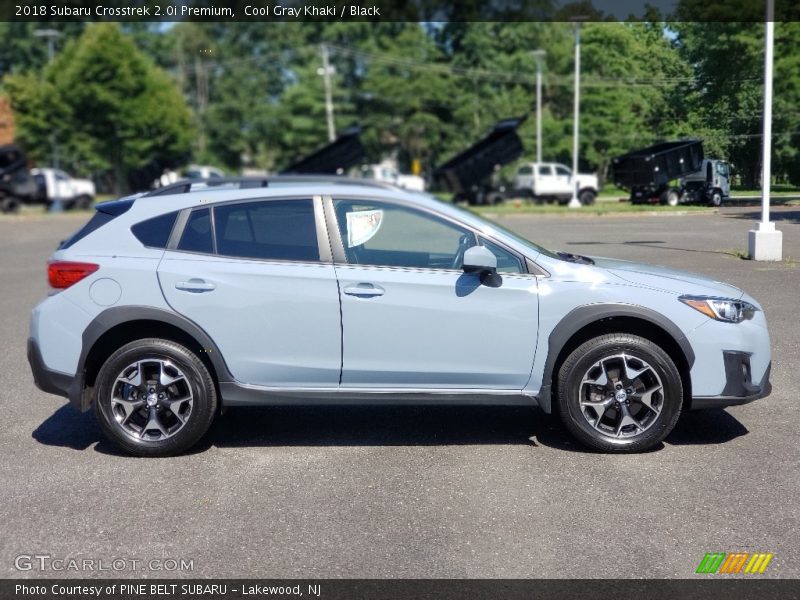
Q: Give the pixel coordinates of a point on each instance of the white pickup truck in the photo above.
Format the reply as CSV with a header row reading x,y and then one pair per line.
x,y
553,182
389,174
54,184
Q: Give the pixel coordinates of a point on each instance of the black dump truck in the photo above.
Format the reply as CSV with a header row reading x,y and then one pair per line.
x,y
648,173
17,185
336,158
468,175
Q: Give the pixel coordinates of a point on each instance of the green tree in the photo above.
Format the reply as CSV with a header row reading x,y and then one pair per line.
x,y
630,80
725,98
111,111
20,48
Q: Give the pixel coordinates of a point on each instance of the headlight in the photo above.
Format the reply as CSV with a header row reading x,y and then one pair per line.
x,y
721,309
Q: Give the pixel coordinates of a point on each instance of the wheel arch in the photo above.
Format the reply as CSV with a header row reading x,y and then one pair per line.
x,y
586,322
115,327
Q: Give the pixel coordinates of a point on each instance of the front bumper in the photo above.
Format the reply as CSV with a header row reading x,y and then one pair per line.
x,y
739,387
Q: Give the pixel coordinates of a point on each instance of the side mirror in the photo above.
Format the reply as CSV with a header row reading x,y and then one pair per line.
x,y
479,259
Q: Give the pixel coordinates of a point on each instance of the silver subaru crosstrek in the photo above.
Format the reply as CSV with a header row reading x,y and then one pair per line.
x,y
169,305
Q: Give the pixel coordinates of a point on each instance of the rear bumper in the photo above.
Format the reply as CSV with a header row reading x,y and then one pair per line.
x,y
739,388
53,382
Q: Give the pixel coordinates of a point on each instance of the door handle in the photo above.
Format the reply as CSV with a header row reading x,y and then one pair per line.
x,y
364,290
195,285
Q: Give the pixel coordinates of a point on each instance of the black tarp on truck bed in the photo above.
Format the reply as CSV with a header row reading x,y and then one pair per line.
x,y
344,152
655,166
474,165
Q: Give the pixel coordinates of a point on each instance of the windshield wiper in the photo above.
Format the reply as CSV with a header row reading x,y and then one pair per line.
x,y
576,258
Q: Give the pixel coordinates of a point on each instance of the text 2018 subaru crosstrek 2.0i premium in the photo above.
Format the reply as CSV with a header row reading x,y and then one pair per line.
x,y
170,305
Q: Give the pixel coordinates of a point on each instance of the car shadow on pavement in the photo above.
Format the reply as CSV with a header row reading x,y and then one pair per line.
x,y
711,426
376,426
70,428
381,426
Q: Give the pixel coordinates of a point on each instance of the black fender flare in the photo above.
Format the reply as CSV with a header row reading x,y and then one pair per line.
x,y
119,315
580,317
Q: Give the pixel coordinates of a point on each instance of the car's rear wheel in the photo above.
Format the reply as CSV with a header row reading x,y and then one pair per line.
x,y
619,393
587,197
155,398
83,202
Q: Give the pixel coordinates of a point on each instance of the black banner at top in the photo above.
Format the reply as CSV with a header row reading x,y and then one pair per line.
x,y
394,10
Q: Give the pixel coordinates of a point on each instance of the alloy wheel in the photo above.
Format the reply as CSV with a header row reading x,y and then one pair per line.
x,y
621,396
151,399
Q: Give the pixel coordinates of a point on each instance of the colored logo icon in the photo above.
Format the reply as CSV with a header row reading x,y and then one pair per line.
x,y
735,562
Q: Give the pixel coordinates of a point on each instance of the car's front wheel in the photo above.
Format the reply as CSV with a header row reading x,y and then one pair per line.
x,y
619,393
154,397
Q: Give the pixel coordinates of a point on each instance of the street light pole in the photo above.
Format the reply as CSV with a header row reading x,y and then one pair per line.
x,y
50,36
538,56
766,243
326,71
574,202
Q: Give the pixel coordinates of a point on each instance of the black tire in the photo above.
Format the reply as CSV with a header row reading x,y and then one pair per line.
x,y
715,199
671,197
9,205
494,198
585,358
83,203
587,197
196,376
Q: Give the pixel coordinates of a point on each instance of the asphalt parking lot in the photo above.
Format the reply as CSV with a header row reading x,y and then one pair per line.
x,y
412,492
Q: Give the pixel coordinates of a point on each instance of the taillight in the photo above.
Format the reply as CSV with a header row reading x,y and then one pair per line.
x,y
62,274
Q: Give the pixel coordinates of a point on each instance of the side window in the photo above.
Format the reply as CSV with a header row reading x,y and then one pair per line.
x,y
525,170
154,233
561,170
196,236
545,170
268,229
506,261
383,234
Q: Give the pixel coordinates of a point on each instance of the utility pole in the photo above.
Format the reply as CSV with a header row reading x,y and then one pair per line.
x,y
574,202
766,242
50,36
538,56
326,71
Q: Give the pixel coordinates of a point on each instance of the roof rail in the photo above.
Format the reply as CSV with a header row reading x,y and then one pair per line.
x,y
186,186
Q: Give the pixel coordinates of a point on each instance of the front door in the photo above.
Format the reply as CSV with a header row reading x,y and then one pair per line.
x,y
411,318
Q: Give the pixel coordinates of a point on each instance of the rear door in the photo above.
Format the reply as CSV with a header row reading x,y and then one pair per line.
x,y
257,276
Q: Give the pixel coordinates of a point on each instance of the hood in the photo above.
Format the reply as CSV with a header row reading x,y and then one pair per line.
x,y
666,279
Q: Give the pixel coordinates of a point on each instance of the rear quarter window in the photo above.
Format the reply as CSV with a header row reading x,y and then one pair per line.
x,y
155,232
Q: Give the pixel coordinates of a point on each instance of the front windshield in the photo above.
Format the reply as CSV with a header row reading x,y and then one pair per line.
x,y
504,230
